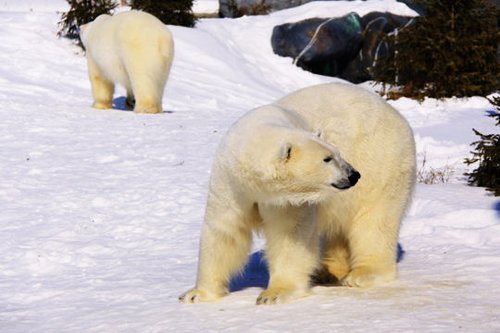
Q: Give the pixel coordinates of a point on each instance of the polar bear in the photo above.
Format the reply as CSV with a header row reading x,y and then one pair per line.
x,y
326,173
132,48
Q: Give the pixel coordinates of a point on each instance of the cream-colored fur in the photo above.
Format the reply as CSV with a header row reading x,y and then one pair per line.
x,y
286,169
134,49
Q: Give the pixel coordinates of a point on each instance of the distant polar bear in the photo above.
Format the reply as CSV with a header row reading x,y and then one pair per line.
x,y
134,49
287,169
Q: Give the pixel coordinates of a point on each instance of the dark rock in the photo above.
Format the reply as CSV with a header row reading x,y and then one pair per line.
x,y
346,47
376,26
318,45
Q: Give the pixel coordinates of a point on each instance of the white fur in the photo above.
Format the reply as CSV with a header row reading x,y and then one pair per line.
x,y
259,183
134,49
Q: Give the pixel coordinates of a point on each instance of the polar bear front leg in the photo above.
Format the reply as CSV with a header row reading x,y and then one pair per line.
x,y
291,250
224,247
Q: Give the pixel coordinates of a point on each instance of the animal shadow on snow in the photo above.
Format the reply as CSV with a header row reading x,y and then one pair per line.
x,y
496,206
120,103
256,272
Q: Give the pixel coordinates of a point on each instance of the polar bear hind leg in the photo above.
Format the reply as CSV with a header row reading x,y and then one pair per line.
x,y
148,80
146,95
335,260
373,246
102,88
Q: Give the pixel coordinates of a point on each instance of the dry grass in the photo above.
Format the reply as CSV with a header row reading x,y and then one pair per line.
x,y
429,175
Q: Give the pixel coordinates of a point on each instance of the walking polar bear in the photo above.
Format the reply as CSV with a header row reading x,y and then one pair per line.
x,y
287,169
134,49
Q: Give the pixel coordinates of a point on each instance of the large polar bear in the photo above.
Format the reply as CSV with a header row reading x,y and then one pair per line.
x,y
287,169
132,48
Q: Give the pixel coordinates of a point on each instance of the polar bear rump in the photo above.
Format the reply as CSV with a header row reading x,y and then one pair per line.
x,y
133,49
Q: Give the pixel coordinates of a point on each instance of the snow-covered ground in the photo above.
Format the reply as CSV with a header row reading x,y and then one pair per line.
x,y
100,211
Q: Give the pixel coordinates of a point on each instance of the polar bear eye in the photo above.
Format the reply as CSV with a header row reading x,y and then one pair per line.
x,y
328,159
286,152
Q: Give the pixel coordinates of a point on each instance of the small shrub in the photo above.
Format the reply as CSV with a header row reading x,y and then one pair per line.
x,y
487,154
175,12
81,12
429,175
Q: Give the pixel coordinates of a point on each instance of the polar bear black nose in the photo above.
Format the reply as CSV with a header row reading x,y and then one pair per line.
x,y
350,181
354,177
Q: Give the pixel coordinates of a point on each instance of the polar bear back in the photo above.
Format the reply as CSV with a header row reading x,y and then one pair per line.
x,y
348,107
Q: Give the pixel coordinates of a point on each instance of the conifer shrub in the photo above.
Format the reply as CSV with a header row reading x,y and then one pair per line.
x,y
175,12
449,51
81,12
487,154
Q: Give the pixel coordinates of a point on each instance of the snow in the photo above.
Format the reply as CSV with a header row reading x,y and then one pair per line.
x,y
206,6
101,210
34,5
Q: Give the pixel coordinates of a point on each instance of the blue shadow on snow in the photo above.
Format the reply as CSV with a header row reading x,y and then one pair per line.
x,y
256,272
120,103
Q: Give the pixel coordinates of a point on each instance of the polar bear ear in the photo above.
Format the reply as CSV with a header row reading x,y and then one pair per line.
x,y
286,151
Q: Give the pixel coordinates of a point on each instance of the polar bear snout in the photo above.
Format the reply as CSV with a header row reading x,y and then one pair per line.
x,y
352,178
345,175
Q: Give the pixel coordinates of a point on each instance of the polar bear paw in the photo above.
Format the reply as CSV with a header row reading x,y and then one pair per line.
x,y
102,105
278,296
147,108
368,277
196,295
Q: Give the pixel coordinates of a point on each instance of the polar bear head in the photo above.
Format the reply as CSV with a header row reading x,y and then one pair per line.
x,y
309,169
299,168
314,162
